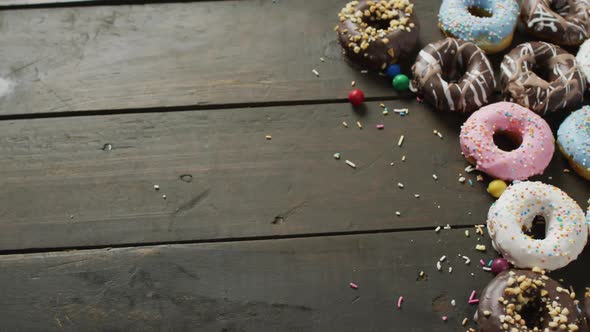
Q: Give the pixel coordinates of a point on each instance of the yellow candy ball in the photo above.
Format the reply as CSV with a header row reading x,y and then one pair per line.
x,y
496,188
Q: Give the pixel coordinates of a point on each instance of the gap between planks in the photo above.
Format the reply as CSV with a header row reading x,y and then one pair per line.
x,y
236,239
188,108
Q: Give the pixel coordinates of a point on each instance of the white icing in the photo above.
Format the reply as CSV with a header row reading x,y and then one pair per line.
x,y
583,59
566,229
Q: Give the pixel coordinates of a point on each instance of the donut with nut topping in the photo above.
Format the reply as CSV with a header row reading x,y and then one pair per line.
x,y
523,300
376,34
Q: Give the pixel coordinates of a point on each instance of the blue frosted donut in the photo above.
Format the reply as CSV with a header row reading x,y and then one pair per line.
x,y
573,139
489,24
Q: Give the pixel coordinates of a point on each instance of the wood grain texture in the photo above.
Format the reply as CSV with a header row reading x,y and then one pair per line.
x,y
62,189
294,285
22,4
159,55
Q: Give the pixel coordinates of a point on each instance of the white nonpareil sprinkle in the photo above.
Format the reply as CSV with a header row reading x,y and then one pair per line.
x,y
399,184
268,137
156,187
442,258
437,229
322,59
464,321
344,124
353,83
485,268
438,266
462,180
439,135
315,72
435,132
364,71
434,176
417,195
467,233
358,124
469,169
404,158
397,213
447,226
350,163
400,141
450,269
453,303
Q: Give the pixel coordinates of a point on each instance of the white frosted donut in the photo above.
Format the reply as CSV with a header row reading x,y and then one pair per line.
x,y
566,231
583,59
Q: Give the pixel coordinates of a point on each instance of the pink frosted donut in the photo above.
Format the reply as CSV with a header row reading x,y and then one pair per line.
x,y
525,128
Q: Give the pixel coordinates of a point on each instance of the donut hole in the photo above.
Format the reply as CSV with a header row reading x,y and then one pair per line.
x,y
507,140
376,23
542,71
559,6
478,11
537,230
453,73
533,311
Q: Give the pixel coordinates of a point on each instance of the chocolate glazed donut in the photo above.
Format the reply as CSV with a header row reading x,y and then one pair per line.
x,y
563,85
453,75
563,22
522,300
375,34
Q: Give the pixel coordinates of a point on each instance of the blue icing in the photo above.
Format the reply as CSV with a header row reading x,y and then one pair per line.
x,y
574,136
456,19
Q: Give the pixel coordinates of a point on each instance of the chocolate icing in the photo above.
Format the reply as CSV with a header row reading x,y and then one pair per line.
x,y
568,23
541,293
565,84
375,34
449,58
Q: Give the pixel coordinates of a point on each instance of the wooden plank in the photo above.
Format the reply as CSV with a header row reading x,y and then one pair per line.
x,y
161,55
63,188
279,285
298,285
20,4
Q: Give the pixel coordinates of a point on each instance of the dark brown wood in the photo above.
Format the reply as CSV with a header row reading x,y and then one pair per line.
x,y
298,285
22,4
159,55
295,284
64,186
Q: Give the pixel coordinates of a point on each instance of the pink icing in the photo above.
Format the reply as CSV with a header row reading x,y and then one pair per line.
x,y
530,158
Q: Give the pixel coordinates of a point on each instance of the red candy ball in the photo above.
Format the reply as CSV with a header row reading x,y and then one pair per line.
x,y
499,265
356,97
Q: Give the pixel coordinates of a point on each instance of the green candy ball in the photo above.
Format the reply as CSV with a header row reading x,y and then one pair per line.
x,y
401,82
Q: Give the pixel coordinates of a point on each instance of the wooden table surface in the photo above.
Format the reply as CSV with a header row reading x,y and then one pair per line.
x,y
109,99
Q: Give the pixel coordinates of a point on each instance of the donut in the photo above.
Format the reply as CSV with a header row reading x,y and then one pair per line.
x,y
375,34
560,85
563,22
583,59
526,129
565,234
573,140
522,300
489,24
437,76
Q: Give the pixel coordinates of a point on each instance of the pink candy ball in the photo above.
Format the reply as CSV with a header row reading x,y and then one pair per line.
x,y
499,265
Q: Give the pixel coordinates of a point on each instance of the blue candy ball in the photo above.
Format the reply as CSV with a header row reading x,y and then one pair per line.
x,y
393,70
